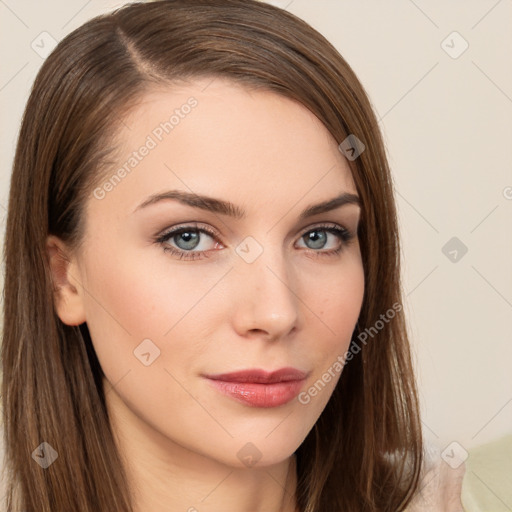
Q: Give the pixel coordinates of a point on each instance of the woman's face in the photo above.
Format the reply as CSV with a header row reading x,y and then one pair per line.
x,y
249,283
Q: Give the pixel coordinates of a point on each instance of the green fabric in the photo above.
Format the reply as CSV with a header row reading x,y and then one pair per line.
x,y
487,484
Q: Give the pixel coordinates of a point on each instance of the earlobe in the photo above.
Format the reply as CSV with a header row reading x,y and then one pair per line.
x,y
67,290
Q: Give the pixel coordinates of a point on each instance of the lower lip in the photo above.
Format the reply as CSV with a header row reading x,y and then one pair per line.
x,y
260,395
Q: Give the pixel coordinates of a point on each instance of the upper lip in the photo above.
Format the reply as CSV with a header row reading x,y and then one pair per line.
x,y
260,376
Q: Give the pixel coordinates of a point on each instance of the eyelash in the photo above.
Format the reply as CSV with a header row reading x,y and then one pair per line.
x,y
343,234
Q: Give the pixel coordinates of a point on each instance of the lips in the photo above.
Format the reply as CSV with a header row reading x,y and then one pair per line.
x,y
260,388
260,376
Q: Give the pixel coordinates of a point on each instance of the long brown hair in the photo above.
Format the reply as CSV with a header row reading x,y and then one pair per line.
x,y
365,451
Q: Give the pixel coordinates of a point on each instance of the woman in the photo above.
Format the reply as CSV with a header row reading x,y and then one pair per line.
x,y
202,296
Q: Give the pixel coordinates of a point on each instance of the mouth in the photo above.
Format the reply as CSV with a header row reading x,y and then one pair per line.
x,y
260,388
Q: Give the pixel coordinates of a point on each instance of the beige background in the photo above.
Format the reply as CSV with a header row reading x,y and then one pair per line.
x,y
447,123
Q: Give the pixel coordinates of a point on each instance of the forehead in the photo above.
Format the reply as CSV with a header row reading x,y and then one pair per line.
x,y
216,136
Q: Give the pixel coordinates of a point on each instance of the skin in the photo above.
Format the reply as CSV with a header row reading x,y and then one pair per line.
x,y
292,306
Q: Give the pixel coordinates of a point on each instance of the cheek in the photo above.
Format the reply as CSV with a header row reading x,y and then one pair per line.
x,y
145,334
336,307
136,296
127,303
338,303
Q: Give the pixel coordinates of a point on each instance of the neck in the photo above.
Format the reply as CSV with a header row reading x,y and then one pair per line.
x,y
166,477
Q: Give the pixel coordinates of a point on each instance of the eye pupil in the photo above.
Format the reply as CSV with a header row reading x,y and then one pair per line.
x,y
318,240
191,239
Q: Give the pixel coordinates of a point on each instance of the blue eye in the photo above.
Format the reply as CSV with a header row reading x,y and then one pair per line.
x,y
318,237
188,238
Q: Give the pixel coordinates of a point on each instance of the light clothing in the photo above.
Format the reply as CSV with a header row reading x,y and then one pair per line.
x,y
483,483
441,484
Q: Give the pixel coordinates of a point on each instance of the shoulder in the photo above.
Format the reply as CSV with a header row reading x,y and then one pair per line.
x,y
441,480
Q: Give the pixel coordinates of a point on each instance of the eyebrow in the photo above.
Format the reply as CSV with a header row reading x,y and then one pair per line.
x,y
222,207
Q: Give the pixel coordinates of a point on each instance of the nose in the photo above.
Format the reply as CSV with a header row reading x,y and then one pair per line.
x,y
266,302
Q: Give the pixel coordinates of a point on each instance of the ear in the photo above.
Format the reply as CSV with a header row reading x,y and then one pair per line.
x,y
67,290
